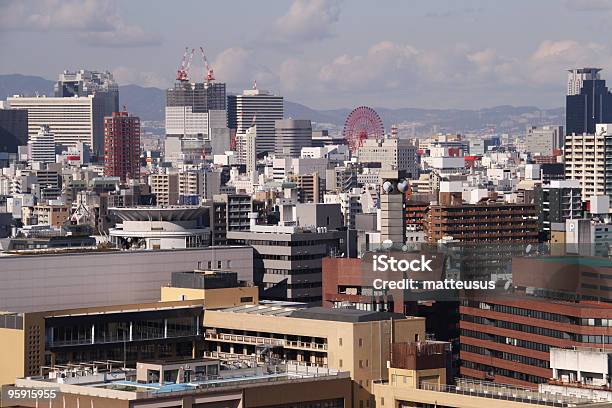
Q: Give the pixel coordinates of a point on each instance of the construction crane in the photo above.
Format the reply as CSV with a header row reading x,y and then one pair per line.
x,y
183,72
210,75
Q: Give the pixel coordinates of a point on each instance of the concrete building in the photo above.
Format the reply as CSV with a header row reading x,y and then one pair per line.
x,y
122,146
343,339
291,136
588,237
41,146
289,255
557,201
72,120
588,101
122,333
586,156
193,109
250,150
310,187
86,83
508,340
391,153
417,379
230,212
217,288
195,383
256,107
582,372
544,140
165,187
350,205
392,220
157,228
54,215
69,280
13,129
482,222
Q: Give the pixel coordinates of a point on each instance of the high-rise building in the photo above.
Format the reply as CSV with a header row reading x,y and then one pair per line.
x,y
557,201
544,140
391,153
85,83
42,146
588,101
291,136
193,109
13,129
165,186
289,255
586,160
256,107
250,149
122,146
72,120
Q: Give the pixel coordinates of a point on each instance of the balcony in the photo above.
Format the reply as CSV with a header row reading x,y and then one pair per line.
x,y
238,338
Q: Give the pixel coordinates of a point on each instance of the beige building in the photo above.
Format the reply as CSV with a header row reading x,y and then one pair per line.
x,y
416,378
52,214
165,187
343,339
32,341
391,153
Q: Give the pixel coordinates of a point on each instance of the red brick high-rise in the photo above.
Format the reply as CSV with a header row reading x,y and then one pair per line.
x,y
121,145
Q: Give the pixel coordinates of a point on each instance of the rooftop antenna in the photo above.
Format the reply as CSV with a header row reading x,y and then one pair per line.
x,y
255,84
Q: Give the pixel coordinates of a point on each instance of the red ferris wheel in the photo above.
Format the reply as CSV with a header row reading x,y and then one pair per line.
x,y
362,123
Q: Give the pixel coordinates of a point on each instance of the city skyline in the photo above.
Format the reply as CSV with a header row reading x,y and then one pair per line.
x,y
325,54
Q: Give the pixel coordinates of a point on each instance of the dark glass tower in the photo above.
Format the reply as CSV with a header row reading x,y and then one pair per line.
x,y
588,101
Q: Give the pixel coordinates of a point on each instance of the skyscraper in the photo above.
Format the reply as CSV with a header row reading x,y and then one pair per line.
x,y
121,145
41,146
291,135
194,108
85,83
256,107
588,101
13,129
588,159
72,120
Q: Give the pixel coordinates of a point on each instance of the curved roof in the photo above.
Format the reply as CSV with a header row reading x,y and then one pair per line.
x,y
170,214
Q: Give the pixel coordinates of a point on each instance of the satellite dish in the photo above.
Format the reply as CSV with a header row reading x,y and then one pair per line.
x,y
402,186
388,187
387,243
528,249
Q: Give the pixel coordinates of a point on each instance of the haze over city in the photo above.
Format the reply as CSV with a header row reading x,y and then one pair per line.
x,y
325,54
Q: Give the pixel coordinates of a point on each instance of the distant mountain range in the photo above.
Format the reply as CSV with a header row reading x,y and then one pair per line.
x,y
148,104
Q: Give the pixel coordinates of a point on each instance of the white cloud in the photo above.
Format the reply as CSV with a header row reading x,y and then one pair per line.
x,y
307,20
126,75
97,22
237,67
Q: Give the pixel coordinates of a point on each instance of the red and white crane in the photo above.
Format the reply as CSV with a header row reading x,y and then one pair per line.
x,y
182,74
210,75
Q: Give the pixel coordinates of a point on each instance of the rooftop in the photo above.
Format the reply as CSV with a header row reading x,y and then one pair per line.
x,y
119,383
344,315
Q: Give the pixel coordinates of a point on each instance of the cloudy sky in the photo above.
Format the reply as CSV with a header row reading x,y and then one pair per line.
x,y
324,53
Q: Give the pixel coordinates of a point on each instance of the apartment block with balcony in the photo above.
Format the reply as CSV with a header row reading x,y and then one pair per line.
x,y
343,339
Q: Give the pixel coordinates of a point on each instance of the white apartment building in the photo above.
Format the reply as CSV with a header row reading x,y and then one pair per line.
x,y
585,161
391,153
70,119
42,146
